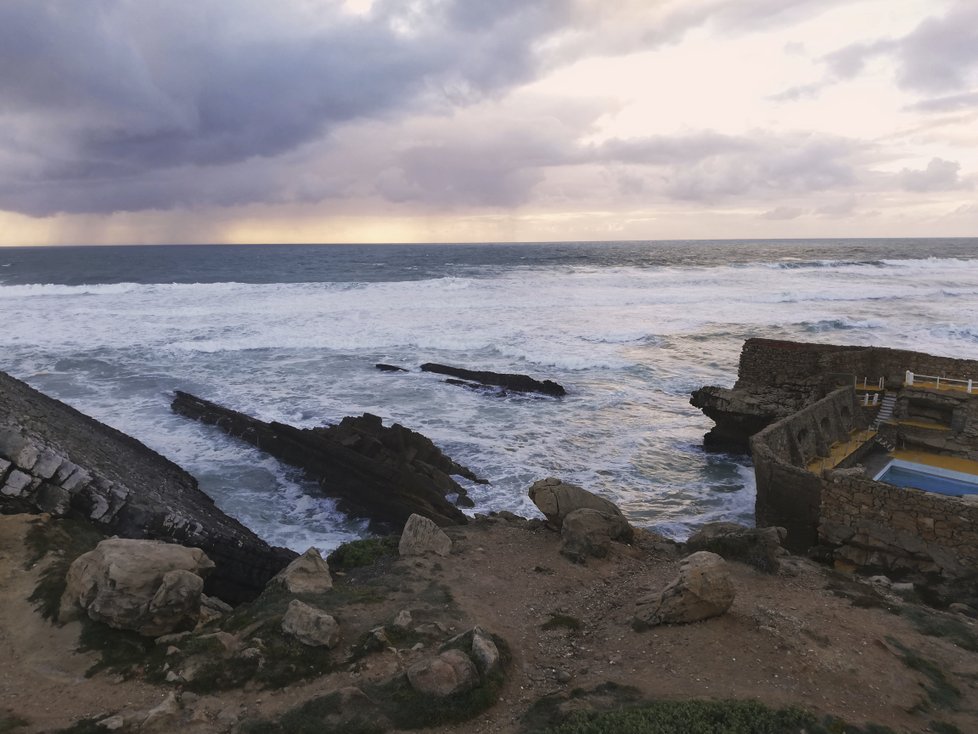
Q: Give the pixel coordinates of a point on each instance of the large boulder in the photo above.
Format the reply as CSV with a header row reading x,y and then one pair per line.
x,y
702,590
310,626
757,547
449,673
588,532
556,499
307,574
421,536
147,586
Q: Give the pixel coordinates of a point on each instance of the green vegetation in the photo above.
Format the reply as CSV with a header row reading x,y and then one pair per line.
x,y
83,726
935,624
360,553
61,542
703,717
941,727
322,715
940,690
9,723
562,621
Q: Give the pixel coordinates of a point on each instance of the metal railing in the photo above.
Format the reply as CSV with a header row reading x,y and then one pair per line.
x,y
868,384
945,383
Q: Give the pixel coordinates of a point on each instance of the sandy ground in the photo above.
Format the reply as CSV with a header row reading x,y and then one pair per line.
x,y
789,639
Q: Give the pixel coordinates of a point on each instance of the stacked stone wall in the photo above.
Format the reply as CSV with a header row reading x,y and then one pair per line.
x,y
773,362
877,525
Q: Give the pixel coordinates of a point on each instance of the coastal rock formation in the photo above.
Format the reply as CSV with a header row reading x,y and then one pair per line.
x,y
389,367
702,590
384,474
422,536
55,459
557,499
757,547
147,586
741,412
515,383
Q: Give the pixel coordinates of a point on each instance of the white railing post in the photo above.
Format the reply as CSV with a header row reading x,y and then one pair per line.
x,y
909,378
938,383
881,383
969,386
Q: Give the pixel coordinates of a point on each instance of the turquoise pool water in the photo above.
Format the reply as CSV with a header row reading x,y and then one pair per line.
x,y
929,478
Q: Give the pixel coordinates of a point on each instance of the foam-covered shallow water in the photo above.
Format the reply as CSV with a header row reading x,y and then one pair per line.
x,y
292,334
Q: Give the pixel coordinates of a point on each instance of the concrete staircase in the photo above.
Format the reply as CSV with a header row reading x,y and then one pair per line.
x,y
886,410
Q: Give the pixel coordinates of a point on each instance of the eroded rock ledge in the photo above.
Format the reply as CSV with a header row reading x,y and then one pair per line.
x,y
55,459
385,474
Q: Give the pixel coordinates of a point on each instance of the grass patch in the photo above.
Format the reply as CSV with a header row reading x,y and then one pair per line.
x,y
120,651
940,625
360,553
942,727
408,709
940,690
322,715
10,723
61,542
703,717
562,622
83,726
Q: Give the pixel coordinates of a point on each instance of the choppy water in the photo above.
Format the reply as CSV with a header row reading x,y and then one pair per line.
x,y
292,334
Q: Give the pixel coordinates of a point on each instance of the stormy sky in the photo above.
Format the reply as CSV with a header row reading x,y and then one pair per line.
x,y
462,120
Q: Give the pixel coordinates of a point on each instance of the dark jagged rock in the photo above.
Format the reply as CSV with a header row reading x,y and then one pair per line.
x,y
389,367
516,383
741,412
73,465
383,474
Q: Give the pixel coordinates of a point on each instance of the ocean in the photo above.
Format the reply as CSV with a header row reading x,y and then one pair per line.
x,y
292,333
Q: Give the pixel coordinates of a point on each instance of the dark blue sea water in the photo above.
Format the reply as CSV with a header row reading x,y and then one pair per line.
x,y
292,334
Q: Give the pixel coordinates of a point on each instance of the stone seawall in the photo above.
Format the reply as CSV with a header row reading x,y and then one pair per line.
x,y
776,363
877,525
788,495
55,459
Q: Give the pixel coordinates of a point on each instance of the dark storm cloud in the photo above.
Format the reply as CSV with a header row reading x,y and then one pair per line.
x,y
130,89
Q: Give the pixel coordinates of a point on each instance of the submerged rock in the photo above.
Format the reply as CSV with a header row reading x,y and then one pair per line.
x,y
516,383
384,474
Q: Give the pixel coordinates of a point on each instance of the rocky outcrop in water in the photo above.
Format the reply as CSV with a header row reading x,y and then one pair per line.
x,y
383,474
55,459
514,383
741,412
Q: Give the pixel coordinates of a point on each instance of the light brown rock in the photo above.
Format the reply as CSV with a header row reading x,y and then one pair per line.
x,y
702,590
556,499
143,585
588,532
449,673
422,536
310,626
307,574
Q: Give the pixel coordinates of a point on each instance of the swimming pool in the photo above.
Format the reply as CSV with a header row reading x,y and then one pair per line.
x,y
930,478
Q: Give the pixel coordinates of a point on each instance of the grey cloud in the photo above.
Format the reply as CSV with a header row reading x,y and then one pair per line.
x,y
940,55
783,213
949,103
940,175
